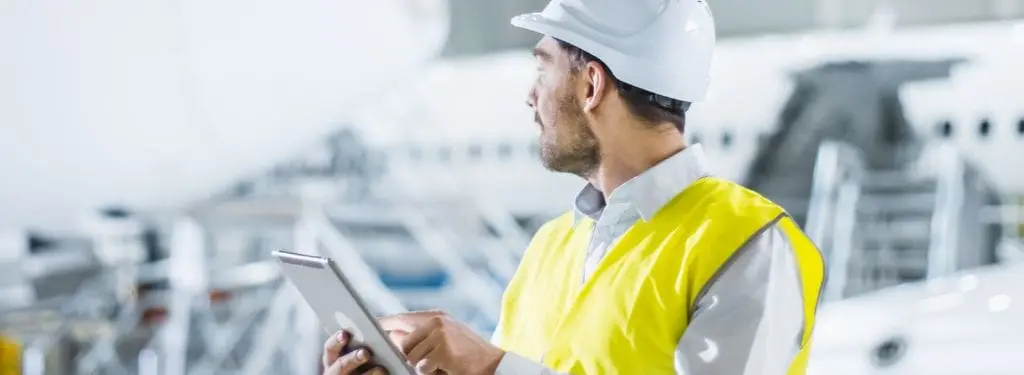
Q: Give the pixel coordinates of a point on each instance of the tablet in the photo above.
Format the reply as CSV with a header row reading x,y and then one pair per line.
x,y
339,307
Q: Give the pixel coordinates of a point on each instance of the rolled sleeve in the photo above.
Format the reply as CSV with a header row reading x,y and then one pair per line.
x,y
514,364
750,320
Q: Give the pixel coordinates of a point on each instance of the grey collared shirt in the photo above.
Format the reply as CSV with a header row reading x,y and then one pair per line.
x,y
751,318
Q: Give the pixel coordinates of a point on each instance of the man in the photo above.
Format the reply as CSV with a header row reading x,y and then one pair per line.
x,y
660,268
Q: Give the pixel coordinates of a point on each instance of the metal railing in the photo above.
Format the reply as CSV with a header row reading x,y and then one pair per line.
x,y
838,172
1009,216
277,323
484,292
316,229
836,225
946,220
510,237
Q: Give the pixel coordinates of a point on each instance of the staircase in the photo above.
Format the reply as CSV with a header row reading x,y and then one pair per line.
x,y
893,229
884,206
854,102
883,227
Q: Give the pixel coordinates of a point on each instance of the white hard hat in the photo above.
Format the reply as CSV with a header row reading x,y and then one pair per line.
x,y
662,46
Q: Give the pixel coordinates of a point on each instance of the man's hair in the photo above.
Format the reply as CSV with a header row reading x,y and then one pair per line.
x,y
648,106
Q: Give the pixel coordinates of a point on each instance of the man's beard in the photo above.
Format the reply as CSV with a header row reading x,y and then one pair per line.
x,y
573,148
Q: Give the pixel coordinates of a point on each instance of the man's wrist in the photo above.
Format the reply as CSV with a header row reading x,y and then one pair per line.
x,y
493,361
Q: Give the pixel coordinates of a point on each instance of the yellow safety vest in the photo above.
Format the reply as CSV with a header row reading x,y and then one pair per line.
x,y
10,357
628,317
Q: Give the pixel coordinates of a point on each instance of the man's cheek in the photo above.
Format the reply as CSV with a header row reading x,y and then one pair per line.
x,y
547,115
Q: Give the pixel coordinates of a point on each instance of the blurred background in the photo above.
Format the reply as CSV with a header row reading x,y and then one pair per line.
x,y
154,152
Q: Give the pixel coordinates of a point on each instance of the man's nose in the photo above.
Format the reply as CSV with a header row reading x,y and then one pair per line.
x,y
531,98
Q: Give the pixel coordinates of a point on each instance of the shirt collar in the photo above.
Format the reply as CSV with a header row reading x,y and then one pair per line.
x,y
649,191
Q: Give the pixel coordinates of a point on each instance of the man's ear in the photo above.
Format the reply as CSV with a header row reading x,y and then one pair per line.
x,y
597,81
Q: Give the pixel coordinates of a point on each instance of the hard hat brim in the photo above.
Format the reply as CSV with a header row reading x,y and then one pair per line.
x,y
641,75
537,23
579,38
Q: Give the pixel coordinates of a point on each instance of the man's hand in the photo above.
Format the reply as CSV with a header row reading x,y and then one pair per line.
x,y
433,342
337,363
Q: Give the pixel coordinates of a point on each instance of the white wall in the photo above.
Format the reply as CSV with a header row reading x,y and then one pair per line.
x,y
159,102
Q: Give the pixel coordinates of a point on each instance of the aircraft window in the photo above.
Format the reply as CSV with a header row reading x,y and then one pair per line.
x,y
946,129
504,151
1020,126
475,151
726,139
695,138
984,127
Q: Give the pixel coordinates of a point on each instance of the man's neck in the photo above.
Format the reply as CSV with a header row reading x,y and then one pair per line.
x,y
622,162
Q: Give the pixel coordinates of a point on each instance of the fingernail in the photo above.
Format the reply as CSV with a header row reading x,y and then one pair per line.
x,y
363,354
341,337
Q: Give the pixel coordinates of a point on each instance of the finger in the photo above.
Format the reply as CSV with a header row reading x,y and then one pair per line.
x,y
423,349
376,371
410,341
408,322
397,337
397,323
333,347
427,366
347,364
